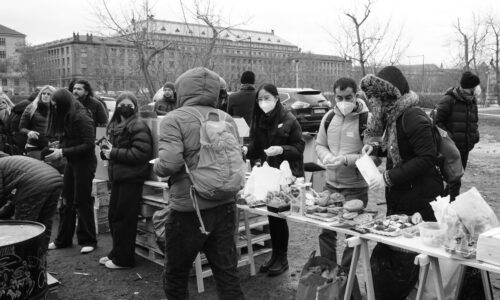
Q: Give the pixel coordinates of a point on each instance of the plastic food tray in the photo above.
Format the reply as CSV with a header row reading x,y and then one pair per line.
x,y
334,219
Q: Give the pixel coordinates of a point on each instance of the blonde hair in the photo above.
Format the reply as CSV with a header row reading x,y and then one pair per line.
x,y
7,100
38,98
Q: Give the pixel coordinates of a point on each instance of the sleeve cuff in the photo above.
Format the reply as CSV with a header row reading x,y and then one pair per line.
x,y
387,179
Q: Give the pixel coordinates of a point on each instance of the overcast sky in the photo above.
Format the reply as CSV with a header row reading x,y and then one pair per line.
x,y
427,23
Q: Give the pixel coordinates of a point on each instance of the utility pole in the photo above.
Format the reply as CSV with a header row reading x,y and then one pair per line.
x,y
296,61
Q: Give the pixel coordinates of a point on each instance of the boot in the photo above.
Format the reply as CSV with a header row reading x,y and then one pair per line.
x,y
279,266
265,267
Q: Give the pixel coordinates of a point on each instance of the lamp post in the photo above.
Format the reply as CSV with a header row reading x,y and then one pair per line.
x,y
296,61
423,69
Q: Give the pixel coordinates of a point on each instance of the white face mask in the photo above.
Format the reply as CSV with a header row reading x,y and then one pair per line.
x,y
267,106
346,107
477,91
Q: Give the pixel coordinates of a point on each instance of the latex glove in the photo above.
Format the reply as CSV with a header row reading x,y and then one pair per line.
x,y
367,149
378,182
416,218
244,150
107,153
55,155
333,162
33,135
273,151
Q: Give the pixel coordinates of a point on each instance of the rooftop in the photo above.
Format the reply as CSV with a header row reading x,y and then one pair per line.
x,y
4,30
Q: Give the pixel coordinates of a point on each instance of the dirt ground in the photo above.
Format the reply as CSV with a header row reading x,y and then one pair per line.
x,y
144,281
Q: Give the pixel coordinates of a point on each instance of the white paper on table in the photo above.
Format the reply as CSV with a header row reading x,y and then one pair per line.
x,y
368,169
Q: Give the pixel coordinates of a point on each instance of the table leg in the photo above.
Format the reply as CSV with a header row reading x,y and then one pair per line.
x,y
365,253
199,273
461,276
356,243
486,284
437,277
249,244
423,261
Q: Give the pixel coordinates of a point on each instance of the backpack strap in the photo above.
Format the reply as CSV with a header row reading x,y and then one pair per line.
x,y
362,118
328,119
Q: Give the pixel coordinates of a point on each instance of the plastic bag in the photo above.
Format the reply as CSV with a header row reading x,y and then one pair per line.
x,y
159,220
368,169
318,286
449,274
475,214
263,180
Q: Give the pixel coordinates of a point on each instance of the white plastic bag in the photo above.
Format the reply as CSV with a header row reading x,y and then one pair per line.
x,y
263,180
368,169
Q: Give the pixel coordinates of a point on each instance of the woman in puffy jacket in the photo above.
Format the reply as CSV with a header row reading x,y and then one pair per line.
x,y
34,122
128,153
275,136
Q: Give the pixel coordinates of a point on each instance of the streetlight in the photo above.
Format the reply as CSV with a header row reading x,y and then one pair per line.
x,y
423,69
296,61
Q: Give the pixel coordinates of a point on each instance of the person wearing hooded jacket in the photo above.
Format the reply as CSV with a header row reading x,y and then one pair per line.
x,y
275,136
168,101
457,114
179,145
411,180
338,147
128,154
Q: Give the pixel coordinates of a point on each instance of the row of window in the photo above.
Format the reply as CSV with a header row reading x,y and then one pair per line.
x,y
2,41
3,54
6,83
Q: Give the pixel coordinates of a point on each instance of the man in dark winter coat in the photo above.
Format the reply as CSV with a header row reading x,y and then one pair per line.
x,y
83,93
37,186
168,101
457,114
17,111
241,103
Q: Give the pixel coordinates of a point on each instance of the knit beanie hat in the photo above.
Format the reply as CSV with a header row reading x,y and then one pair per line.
x,y
169,85
469,80
248,77
394,76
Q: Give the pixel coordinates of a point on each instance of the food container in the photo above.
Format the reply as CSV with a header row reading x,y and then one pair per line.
x,y
431,234
277,207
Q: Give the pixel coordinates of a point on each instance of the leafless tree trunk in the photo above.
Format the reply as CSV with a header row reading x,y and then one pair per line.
x,y
495,61
473,42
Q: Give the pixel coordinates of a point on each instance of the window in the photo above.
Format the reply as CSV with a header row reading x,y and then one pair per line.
x,y
4,81
2,41
3,54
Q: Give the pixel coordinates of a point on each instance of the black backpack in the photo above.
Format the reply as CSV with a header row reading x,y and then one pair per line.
x,y
363,122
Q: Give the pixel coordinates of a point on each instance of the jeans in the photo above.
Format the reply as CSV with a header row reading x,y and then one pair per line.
x,y
77,191
184,241
39,208
328,238
122,216
453,188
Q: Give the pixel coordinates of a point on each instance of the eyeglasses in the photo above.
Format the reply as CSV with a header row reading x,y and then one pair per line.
x,y
48,94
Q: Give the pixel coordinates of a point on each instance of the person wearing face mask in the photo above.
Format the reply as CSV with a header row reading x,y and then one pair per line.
x,y
128,154
34,122
275,136
338,146
457,114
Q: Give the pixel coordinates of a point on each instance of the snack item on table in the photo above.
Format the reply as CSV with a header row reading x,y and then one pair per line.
x,y
324,215
321,209
310,209
334,209
337,197
350,215
363,218
323,200
391,225
353,205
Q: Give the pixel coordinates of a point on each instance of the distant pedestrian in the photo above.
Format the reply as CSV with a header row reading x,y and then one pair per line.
x,y
5,109
34,122
457,114
71,124
83,92
19,138
37,188
167,103
222,101
241,103
128,154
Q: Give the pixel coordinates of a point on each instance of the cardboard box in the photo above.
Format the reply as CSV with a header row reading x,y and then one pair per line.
x,y
100,187
101,171
488,245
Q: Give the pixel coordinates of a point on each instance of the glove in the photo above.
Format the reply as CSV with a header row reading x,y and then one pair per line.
x,y
367,149
416,218
33,135
273,151
244,150
106,153
55,155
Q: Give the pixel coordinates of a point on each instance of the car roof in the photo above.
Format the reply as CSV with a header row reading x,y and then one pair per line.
x,y
297,90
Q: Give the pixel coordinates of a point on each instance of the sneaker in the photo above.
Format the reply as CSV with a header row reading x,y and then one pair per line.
x,y
111,265
87,249
52,246
104,260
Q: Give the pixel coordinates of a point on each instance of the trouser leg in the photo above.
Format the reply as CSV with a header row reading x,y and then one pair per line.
x,y
67,212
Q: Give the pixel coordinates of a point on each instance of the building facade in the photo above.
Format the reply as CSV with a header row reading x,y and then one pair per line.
x,y
112,63
12,75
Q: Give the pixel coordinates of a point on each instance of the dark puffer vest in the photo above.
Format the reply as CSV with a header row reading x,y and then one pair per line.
x,y
458,115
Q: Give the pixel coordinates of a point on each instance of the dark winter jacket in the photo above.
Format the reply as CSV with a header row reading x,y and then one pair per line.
x,y
17,111
36,122
281,128
163,106
241,103
179,137
131,152
28,176
459,117
97,110
79,136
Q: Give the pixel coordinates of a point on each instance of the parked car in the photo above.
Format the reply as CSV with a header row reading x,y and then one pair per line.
x,y
308,105
110,105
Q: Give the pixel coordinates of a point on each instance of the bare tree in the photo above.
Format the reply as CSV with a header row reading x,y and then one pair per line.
x,y
138,28
472,41
361,38
495,61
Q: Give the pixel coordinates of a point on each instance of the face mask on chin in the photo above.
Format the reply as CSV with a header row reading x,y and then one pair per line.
x,y
267,106
346,107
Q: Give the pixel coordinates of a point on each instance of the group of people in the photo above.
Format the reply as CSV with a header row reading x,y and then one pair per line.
x,y
395,128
